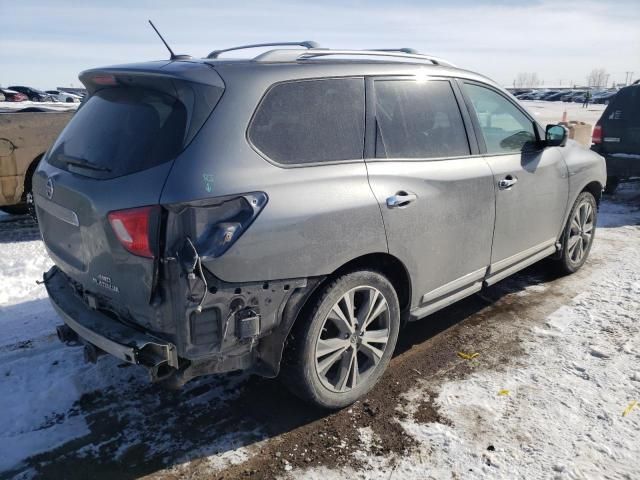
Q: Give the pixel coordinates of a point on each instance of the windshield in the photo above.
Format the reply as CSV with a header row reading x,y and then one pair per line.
x,y
121,131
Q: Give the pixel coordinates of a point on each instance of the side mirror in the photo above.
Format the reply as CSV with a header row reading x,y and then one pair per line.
x,y
556,136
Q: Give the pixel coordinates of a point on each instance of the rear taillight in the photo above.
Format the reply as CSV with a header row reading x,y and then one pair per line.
x,y
133,227
596,137
217,226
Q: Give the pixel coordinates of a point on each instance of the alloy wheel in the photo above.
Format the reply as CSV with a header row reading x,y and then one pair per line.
x,y
581,232
353,339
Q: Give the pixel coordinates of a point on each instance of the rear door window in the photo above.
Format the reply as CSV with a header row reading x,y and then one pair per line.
x,y
311,121
504,127
119,131
418,119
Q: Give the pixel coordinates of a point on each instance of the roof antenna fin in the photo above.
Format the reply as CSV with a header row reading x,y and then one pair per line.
x,y
173,55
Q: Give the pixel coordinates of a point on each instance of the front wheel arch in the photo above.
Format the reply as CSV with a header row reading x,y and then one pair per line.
x,y
564,260
595,188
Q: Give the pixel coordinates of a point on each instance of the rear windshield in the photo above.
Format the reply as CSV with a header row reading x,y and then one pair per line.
x,y
625,107
121,131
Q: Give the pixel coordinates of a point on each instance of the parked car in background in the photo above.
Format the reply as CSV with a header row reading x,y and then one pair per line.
x,y
555,97
571,95
616,136
518,91
604,97
548,94
24,137
171,206
528,96
64,96
13,96
580,98
33,94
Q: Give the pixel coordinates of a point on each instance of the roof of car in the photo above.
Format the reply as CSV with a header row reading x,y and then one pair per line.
x,y
345,67
303,63
392,61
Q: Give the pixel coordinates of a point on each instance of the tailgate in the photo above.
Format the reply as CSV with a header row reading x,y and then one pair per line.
x,y
621,123
112,159
72,214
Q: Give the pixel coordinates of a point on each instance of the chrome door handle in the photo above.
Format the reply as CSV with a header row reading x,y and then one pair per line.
x,y
507,182
401,199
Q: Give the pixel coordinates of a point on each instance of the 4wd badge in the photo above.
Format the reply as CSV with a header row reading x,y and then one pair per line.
x,y
105,282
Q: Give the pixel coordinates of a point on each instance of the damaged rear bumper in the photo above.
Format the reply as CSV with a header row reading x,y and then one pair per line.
x,y
106,333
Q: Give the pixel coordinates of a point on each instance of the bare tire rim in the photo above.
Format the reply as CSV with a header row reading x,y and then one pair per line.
x,y
581,232
353,339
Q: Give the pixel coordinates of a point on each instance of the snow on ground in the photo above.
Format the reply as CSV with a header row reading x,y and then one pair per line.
x,y
551,112
559,413
8,106
44,383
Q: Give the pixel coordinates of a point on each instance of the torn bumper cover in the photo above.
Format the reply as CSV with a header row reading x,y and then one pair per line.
x,y
106,333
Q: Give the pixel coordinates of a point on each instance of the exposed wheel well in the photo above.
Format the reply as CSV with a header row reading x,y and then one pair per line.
x,y
595,189
387,264
274,346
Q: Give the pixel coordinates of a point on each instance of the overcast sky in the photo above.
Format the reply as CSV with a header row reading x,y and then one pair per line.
x,y
46,43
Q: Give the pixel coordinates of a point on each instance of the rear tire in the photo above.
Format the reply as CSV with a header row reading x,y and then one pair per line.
x,y
332,357
579,233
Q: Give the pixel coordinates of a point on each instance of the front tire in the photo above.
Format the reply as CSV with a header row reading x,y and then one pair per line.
x,y
343,342
579,233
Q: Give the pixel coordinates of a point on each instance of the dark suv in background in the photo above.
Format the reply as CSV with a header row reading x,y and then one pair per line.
x,y
616,136
286,212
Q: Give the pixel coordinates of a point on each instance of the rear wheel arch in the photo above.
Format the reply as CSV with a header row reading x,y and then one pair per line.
x,y
387,265
273,347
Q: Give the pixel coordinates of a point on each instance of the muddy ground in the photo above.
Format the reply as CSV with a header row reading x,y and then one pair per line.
x,y
170,428
139,430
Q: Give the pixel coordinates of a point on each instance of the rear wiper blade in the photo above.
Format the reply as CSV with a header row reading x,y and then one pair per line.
x,y
81,162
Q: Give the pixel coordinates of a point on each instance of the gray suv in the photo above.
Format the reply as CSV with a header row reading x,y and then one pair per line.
x,y
284,214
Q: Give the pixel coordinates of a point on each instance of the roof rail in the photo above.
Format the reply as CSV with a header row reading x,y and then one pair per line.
x,y
306,44
401,50
297,55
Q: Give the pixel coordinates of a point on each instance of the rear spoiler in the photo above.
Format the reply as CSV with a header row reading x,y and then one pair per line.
x,y
151,72
196,85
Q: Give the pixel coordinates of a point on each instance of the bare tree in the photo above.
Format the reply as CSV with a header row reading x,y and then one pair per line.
x,y
597,78
527,79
